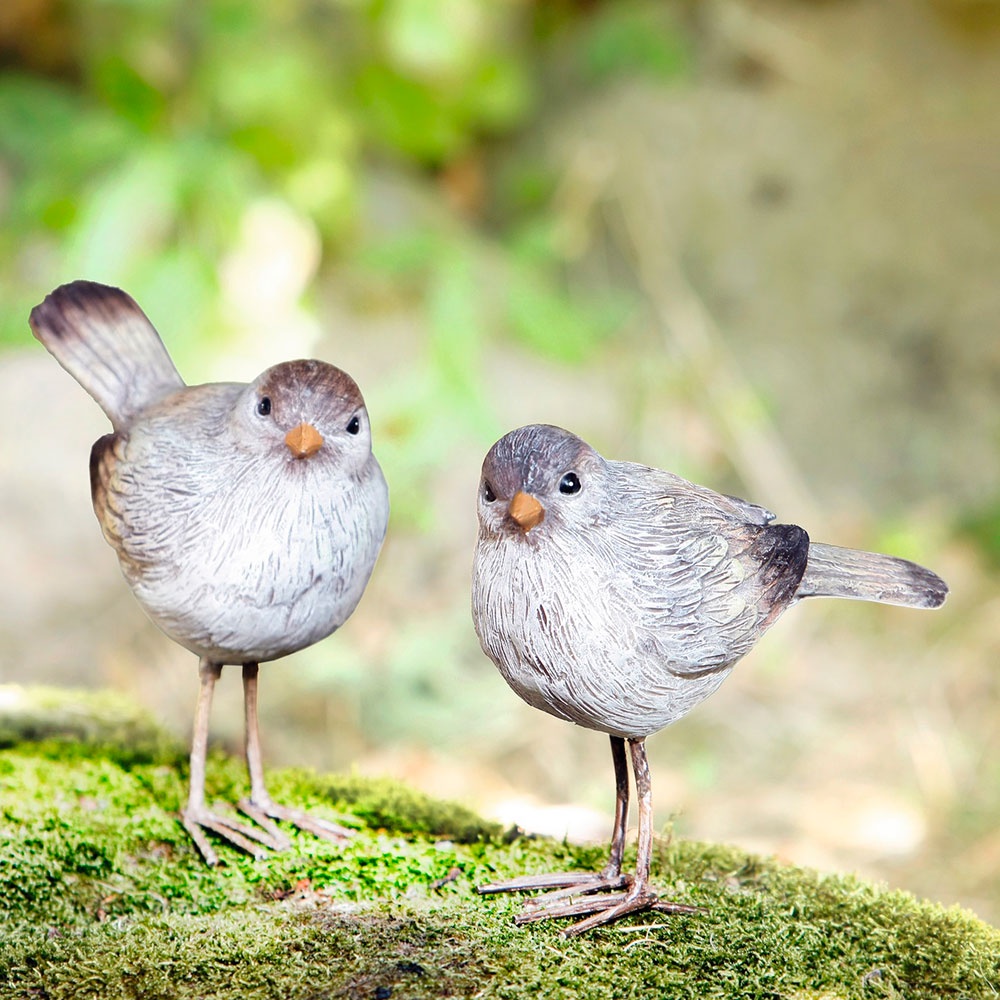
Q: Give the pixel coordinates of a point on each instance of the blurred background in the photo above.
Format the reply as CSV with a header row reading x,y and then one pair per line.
x,y
752,242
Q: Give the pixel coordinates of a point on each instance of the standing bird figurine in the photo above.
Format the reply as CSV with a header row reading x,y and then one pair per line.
x,y
618,597
247,518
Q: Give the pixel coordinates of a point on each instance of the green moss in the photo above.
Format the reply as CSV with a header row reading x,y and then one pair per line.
x,y
101,895
387,803
61,723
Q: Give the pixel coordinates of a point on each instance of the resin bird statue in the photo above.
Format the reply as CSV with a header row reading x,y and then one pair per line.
x,y
618,597
247,518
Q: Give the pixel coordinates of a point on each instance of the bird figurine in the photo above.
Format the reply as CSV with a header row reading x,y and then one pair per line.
x,y
247,518
618,597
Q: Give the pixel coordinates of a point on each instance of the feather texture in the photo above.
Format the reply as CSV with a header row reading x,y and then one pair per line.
x,y
833,571
104,340
238,547
635,594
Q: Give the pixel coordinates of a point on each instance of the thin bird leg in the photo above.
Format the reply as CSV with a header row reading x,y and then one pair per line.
x,y
260,806
196,816
574,883
614,866
638,896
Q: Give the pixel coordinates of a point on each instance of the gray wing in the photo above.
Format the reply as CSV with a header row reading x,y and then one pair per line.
x,y
708,573
149,484
726,505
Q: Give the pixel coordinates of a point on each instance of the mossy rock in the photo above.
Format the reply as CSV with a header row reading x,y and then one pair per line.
x,y
103,896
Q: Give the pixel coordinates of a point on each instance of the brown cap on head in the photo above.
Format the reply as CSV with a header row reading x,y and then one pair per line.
x,y
526,511
332,393
304,440
533,458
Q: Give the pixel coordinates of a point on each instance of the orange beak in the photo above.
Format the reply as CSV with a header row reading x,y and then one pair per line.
x,y
525,511
304,440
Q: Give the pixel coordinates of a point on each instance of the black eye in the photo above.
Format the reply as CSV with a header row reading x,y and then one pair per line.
x,y
264,406
488,495
570,483
354,426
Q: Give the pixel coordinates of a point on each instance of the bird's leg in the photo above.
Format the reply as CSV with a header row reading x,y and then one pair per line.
x,y
573,883
614,866
638,895
196,816
260,806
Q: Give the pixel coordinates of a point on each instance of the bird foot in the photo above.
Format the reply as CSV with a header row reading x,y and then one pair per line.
x,y
256,842
263,811
601,909
563,883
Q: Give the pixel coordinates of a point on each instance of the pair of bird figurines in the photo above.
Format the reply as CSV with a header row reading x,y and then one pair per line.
x,y
247,520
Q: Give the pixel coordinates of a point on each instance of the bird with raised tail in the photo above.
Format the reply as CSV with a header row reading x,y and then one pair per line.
x,y
619,597
247,518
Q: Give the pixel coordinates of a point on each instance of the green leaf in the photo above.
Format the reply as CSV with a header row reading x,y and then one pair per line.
x,y
400,113
544,318
499,93
123,88
635,38
131,211
434,38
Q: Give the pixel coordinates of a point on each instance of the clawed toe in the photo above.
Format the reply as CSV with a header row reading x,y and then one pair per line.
x,y
598,909
253,840
564,884
263,812
595,884
261,837
600,897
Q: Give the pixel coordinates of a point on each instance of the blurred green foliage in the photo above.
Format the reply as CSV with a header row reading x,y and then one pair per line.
x,y
982,528
134,134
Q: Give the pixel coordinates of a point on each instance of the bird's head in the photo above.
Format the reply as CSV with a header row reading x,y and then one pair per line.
x,y
303,412
538,479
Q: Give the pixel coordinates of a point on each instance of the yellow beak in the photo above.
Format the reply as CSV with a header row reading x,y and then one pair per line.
x,y
304,440
525,510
